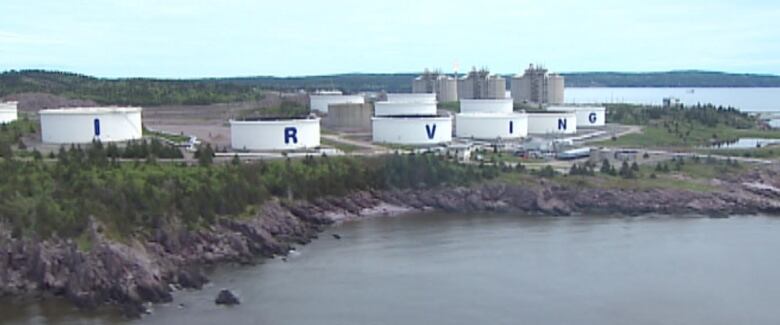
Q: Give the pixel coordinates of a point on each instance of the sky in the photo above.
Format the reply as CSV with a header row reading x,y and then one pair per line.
x,y
193,38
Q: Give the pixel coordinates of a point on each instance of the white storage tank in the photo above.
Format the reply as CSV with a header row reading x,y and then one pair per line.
x,y
416,97
85,124
275,134
412,130
587,116
8,112
552,122
404,108
491,125
319,102
504,106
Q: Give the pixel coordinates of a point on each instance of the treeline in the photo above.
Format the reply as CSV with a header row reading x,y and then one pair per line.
x,y
138,91
707,115
57,198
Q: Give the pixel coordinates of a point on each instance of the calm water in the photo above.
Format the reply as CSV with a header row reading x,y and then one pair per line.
x,y
438,269
746,99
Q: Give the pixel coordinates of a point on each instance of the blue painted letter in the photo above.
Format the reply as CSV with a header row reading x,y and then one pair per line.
x,y
290,133
97,127
511,127
561,124
592,118
430,130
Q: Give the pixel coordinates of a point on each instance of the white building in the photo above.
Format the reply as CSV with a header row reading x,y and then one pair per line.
x,y
320,101
404,108
407,97
551,122
587,116
275,134
8,112
414,130
83,125
502,106
491,125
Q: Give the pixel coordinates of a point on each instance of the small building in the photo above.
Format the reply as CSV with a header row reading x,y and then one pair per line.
x,y
552,122
320,101
85,124
356,117
491,126
587,116
9,112
275,134
412,129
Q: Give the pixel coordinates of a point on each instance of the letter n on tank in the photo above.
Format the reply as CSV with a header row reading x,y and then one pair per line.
x,y
562,124
430,130
290,134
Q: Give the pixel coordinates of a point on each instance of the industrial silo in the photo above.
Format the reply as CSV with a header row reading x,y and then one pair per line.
x,y
275,134
489,126
486,106
587,116
320,101
8,112
83,125
552,122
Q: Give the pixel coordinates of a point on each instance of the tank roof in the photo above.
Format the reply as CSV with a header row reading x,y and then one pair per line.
x,y
89,110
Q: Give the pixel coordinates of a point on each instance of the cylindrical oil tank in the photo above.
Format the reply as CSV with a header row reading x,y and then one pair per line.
x,y
320,102
587,116
270,134
8,112
446,89
404,108
491,125
417,97
412,130
503,106
83,125
552,122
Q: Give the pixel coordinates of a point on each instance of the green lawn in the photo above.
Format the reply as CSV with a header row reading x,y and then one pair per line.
x,y
690,136
346,147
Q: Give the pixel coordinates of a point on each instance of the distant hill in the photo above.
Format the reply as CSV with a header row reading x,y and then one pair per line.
x,y
151,92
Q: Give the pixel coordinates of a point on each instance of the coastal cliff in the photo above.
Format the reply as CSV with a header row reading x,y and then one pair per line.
x,y
146,268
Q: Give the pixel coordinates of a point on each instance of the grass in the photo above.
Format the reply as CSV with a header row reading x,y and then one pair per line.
x,y
452,106
694,135
171,137
346,147
771,152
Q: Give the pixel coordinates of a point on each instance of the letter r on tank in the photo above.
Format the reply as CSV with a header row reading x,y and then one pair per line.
x,y
561,124
431,131
290,133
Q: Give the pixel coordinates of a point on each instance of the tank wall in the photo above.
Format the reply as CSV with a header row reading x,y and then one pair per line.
x,y
275,135
404,108
587,116
8,112
491,127
83,128
320,102
418,97
412,131
349,116
549,123
486,106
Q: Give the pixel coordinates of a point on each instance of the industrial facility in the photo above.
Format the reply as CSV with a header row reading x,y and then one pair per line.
x,y
321,100
348,117
410,123
587,116
445,87
85,124
491,126
552,122
275,134
480,84
8,112
537,86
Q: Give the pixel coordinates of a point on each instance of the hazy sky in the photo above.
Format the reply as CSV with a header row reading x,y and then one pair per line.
x,y
191,38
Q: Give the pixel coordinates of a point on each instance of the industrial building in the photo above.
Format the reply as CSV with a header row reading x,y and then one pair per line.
x,y
503,106
352,117
490,126
404,108
552,122
275,134
8,112
413,97
320,101
480,84
85,124
412,130
537,86
445,87
587,116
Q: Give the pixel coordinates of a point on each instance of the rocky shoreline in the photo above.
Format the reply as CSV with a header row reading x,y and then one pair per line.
x,y
133,273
